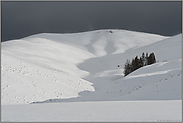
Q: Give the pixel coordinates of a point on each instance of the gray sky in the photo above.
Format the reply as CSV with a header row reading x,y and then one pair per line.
x,y
21,19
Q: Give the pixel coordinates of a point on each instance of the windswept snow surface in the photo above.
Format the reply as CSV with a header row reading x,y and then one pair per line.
x,y
55,68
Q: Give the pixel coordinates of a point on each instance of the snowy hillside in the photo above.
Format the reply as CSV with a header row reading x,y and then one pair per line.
x,y
61,66
158,81
87,69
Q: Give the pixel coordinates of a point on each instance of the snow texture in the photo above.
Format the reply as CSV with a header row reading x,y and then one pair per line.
x,y
87,69
113,111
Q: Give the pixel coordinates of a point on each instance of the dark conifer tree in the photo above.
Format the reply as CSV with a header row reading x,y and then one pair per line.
x,y
150,59
136,62
133,65
127,68
153,58
140,62
147,59
143,59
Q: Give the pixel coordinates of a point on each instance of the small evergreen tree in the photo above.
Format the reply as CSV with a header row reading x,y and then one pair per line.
x,y
136,62
140,62
127,68
152,58
133,65
147,59
131,68
143,59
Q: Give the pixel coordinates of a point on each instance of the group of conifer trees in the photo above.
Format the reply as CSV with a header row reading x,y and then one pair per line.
x,y
138,63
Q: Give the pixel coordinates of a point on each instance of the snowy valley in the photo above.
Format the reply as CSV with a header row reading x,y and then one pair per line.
x,y
84,71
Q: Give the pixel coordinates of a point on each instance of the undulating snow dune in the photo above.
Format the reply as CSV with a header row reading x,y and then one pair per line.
x,y
88,66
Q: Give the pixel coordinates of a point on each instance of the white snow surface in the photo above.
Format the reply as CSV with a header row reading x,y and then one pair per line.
x,y
107,111
81,69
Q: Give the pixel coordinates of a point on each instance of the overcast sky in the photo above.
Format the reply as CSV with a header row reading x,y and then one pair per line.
x,y
21,19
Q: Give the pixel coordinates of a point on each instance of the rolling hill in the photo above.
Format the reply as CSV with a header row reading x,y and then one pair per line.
x,y
88,67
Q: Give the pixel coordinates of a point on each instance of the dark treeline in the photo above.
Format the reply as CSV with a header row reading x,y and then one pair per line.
x,y
137,63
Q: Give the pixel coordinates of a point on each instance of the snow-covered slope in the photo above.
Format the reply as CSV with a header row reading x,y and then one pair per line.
x,y
158,81
83,66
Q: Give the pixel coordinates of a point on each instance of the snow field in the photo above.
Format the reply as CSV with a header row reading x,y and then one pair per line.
x,y
108,111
